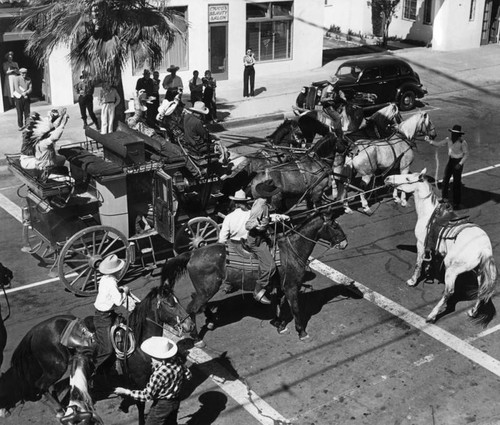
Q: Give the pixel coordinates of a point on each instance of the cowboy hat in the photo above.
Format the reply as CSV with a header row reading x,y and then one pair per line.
x,y
172,68
240,196
21,70
200,108
457,129
111,264
267,189
159,347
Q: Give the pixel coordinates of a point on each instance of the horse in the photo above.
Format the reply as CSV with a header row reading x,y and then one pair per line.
x,y
306,178
469,249
379,125
287,133
207,269
369,156
40,361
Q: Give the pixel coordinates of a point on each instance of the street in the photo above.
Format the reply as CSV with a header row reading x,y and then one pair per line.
x,y
371,358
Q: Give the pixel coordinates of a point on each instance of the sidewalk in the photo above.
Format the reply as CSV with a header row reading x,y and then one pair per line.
x,y
440,72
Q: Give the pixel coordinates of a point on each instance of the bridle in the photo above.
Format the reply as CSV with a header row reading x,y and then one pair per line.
x,y
179,319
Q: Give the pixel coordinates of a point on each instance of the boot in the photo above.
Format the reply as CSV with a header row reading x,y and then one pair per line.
x,y
85,124
260,296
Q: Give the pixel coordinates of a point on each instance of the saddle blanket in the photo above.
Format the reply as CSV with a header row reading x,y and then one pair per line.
x,y
239,258
452,230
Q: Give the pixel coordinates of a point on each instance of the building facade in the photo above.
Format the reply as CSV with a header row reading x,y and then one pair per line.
x,y
441,24
285,35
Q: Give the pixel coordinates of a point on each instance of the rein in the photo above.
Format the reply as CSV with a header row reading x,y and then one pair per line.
x,y
8,304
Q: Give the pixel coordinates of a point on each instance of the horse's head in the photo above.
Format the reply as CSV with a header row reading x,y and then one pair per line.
x,y
407,183
332,232
427,127
417,125
287,133
170,312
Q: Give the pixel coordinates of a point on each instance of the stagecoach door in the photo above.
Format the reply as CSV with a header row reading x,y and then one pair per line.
x,y
164,205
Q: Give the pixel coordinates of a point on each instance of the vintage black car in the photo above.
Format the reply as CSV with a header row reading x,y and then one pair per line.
x,y
378,80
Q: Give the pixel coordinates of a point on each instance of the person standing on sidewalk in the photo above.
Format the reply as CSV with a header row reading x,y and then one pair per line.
x,y
22,91
458,152
195,87
209,86
165,384
109,99
85,90
172,83
249,74
11,71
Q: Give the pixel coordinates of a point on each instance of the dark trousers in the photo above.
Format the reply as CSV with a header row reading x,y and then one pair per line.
x,y
248,78
209,102
163,412
86,103
103,322
23,110
266,261
3,338
450,171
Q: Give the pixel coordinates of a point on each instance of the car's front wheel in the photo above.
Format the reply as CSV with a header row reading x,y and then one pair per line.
x,y
407,100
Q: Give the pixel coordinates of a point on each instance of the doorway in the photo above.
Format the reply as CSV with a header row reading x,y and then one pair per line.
x,y
217,34
490,32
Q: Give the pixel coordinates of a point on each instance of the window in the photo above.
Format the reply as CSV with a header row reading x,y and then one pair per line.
x,y
269,30
472,10
410,9
370,74
428,12
178,53
389,71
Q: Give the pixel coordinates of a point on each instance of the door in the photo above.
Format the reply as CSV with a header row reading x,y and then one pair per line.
x,y
164,205
218,50
485,31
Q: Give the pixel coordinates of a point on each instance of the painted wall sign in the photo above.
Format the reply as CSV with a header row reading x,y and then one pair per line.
x,y
218,13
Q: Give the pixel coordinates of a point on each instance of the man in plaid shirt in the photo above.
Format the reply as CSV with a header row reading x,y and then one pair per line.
x,y
164,386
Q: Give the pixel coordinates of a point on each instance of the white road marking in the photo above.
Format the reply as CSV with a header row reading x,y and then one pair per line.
x,y
235,388
13,209
456,344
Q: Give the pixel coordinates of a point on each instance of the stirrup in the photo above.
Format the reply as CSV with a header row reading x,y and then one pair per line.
x,y
427,257
261,297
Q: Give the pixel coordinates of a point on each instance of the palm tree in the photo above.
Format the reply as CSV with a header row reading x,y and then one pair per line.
x,y
102,35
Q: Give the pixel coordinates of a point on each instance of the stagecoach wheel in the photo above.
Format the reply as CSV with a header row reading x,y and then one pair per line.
x,y
81,255
407,100
197,232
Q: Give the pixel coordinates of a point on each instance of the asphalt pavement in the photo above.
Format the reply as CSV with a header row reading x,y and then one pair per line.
x,y
440,72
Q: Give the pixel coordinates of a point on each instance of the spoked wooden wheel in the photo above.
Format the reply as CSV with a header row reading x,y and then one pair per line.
x,y
197,232
81,255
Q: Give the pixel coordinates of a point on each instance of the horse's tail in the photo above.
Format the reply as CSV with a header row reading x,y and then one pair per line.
x,y
174,268
487,276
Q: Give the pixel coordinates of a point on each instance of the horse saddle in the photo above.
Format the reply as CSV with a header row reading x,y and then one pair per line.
x,y
76,335
444,224
239,257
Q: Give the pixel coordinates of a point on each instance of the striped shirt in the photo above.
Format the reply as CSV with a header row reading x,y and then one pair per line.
x,y
165,381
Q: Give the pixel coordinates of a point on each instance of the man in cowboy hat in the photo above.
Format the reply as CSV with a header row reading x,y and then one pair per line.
x,y
458,151
233,226
165,383
22,93
108,297
257,240
197,138
172,83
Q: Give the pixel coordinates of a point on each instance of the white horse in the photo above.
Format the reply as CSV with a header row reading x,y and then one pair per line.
x,y
369,156
469,249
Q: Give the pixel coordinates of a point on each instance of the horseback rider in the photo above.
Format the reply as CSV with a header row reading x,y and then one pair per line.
x,y
108,297
258,241
233,227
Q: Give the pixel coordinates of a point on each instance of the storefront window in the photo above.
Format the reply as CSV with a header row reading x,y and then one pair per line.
x,y
176,55
269,29
410,9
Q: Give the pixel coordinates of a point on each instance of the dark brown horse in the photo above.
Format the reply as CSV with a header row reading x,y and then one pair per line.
x,y
207,269
40,360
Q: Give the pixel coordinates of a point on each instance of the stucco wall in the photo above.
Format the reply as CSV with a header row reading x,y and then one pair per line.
x,y
452,28
354,15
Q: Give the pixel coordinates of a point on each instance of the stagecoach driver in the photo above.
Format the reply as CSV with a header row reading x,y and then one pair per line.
x,y
108,298
233,227
257,240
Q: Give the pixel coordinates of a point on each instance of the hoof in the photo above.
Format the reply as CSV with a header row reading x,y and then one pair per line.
x,y
282,331
200,344
60,414
404,203
472,313
397,200
366,210
4,413
411,282
210,326
304,337
348,210
430,319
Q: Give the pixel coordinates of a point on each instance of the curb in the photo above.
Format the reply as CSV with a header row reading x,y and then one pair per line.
x,y
244,122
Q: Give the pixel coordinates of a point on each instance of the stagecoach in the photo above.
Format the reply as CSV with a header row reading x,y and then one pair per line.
x,y
122,198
